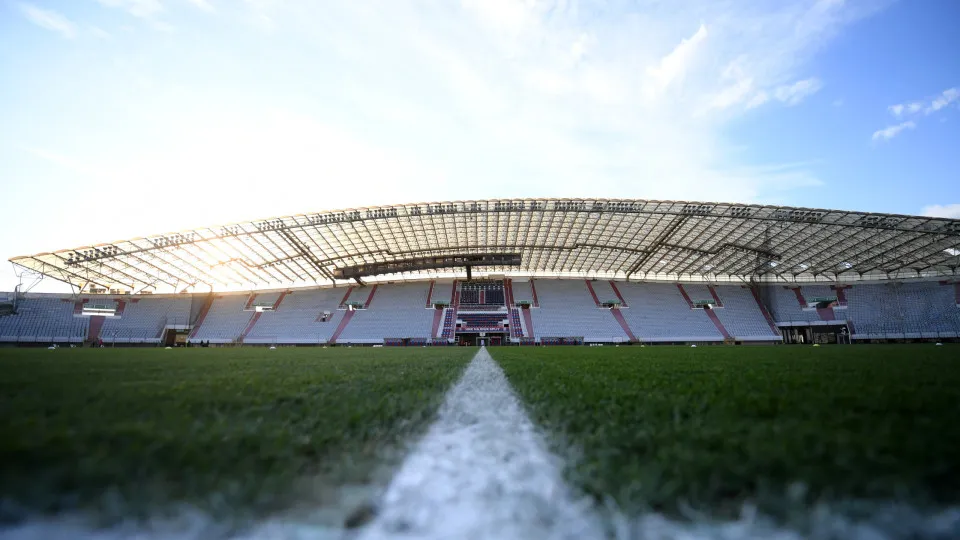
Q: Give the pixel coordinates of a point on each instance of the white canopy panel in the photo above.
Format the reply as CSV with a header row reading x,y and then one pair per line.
x,y
603,238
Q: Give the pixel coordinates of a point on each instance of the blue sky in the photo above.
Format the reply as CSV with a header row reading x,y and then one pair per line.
x,y
134,117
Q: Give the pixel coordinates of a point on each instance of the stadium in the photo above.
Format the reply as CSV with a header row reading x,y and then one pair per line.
x,y
646,369
504,272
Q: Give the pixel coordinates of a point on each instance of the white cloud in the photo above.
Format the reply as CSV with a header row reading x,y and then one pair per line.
x,y
793,94
579,47
260,14
736,93
674,65
909,108
507,16
942,99
203,5
562,91
890,132
162,26
100,32
143,9
945,98
739,88
942,210
759,99
49,19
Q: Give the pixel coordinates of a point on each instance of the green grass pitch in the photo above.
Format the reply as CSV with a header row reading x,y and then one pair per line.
x,y
711,428
130,431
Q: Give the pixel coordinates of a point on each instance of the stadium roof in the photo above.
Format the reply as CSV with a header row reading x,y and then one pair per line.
x,y
602,238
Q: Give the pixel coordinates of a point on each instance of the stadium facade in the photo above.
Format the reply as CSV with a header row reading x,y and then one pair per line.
x,y
529,271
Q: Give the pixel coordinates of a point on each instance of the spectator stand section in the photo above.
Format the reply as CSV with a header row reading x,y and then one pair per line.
x,y
481,315
904,311
498,311
42,319
397,314
571,311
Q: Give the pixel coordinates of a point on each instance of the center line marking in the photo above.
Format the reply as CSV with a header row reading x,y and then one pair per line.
x,y
482,470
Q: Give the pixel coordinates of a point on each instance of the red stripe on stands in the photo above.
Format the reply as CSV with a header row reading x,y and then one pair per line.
x,y
717,323
623,324
616,291
343,324
716,297
253,297
250,325
841,291
437,319
800,299
683,292
96,323
276,305
370,298
202,315
430,297
528,321
533,289
825,314
454,295
763,309
346,296
592,292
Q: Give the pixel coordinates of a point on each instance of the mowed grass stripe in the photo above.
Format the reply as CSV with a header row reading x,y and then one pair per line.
x,y
666,428
131,431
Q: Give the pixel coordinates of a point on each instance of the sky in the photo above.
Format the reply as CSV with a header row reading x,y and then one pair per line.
x,y
122,118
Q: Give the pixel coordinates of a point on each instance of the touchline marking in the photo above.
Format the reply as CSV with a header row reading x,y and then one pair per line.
x,y
482,471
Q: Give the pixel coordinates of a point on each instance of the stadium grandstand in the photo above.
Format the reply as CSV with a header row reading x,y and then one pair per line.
x,y
498,272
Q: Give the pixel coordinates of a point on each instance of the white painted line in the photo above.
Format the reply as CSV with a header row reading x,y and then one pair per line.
x,y
482,471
